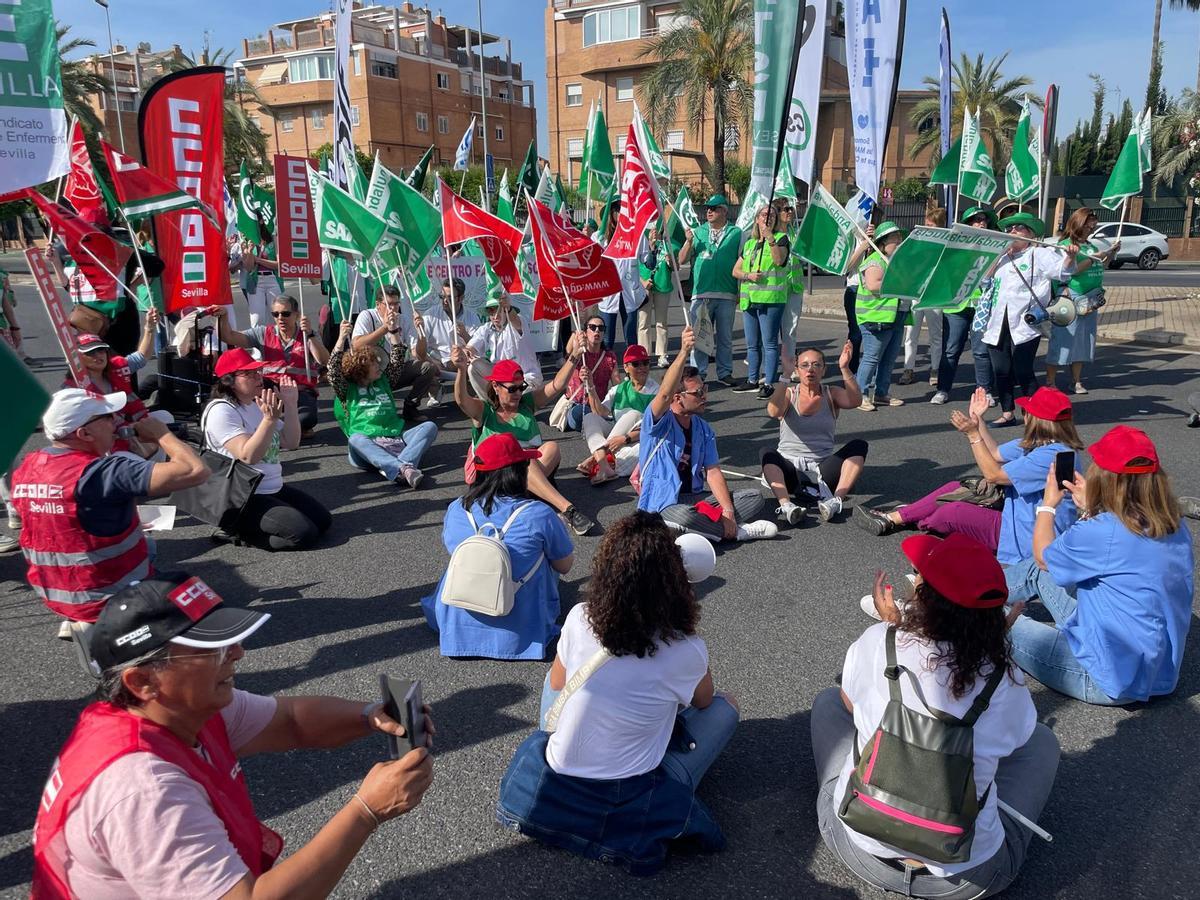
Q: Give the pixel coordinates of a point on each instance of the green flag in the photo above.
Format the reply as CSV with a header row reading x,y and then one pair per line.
x,y
560,193
687,212
941,267
826,234
247,224
358,181
751,204
1126,178
659,167
416,177
587,133
27,400
1022,176
598,160
527,176
946,171
785,181
413,223
342,222
504,201
778,28
1145,161
976,180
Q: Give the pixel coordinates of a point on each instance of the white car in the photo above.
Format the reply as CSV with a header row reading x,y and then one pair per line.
x,y
1139,244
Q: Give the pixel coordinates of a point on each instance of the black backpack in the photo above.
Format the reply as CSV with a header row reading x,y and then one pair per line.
x,y
913,785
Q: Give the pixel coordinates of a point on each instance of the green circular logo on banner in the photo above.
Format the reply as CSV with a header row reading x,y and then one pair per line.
x,y
799,127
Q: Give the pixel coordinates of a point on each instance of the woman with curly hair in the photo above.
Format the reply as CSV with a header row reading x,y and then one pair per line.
x,y
614,771
940,651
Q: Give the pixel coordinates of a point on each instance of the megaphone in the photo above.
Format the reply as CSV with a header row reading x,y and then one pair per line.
x,y
699,557
1062,311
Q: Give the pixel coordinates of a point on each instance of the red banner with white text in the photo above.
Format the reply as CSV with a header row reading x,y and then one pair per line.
x,y
295,223
67,336
181,124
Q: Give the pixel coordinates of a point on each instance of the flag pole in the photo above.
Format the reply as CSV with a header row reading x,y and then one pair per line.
x,y
483,105
108,272
303,336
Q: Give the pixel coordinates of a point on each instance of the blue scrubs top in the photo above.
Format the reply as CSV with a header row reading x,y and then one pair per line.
x,y
1027,471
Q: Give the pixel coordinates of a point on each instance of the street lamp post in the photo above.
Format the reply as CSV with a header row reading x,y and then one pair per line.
x,y
112,61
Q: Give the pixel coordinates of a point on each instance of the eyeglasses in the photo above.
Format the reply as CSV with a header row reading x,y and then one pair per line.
x,y
281,313
220,654
107,417
519,388
811,365
641,364
592,327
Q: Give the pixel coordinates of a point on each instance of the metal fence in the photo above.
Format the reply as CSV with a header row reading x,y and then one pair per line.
x,y
1164,217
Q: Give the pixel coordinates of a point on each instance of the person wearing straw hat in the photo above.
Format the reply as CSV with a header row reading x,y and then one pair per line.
x,y
1118,584
1020,281
946,640
881,320
717,245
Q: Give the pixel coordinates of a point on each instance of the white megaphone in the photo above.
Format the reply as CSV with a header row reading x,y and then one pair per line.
x,y
699,557
1062,311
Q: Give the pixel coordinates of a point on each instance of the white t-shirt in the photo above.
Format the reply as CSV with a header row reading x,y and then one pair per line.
x,y
618,724
439,333
224,420
369,320
1005,725
144,828
507,343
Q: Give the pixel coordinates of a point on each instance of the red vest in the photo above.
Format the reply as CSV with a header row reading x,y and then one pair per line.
x,y
103,735
73,570
289,361
119,377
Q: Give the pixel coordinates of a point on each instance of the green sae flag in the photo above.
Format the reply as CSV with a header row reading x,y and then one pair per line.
x,y
785,181
413,223
527,176
416,178
504,201
342,222
976,179
687,212
1022,176
946,171
598,160
651,152
941,267
777,29
826,234
27,400
247,223
1145,161
1126,178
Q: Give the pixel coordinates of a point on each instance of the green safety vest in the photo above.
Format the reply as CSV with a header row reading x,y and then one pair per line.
x,y
629,397
871,307
795,263
774,288
712,267
369,410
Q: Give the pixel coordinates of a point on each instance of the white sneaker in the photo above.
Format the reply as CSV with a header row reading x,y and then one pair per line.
x,y
867,603
939,398
1080,389
433,400
827,509
9,544
790,513
991,399
757,531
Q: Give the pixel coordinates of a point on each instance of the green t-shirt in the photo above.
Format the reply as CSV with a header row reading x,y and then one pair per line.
x,y
629,397
523,426
713,261
369,410
1090,278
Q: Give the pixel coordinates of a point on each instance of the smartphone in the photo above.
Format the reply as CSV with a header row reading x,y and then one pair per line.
x,y
402,701
1064,467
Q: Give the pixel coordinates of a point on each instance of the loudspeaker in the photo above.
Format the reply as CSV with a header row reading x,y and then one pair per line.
x,y
1062,311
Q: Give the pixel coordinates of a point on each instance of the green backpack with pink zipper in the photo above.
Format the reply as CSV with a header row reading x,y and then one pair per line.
x,y
913,784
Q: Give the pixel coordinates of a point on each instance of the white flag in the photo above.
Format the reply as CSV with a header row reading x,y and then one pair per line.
x,y
463,153
343,137
873,29
806,95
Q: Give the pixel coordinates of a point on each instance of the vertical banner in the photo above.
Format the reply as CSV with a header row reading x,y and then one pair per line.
x,y
181,124
296,225
34,146
44,280
776,40
874,38
801,139
343,137
946,102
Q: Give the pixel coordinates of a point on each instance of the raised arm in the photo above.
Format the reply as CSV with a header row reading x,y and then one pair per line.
x,y
556,385
674,375
472,407
849,395
983,448
315,347
227,334
146,342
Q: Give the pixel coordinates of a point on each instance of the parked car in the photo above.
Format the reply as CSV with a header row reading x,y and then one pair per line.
x,y
1139,244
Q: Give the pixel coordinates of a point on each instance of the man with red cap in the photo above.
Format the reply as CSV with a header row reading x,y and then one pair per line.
x,y
1119,583
614,450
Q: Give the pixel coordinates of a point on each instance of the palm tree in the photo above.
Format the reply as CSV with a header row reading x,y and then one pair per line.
x,y
80,82
706,61
1176,139
1191,6
977,85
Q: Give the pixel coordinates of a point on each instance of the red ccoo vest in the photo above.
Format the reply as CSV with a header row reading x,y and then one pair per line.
x,y
73,570
289,360
103,735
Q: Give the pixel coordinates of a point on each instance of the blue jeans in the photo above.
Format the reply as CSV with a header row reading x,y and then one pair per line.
x,y
761,322
881,344
721,313
575,413
709,729
366,454
1040,648
984,377
956,330
610,327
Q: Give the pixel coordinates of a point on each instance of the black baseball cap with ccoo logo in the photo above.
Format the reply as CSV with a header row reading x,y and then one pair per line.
x,y
170,606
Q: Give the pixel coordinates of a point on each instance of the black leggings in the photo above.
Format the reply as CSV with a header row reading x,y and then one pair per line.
x,y
1012,364
853,332
830,466
289,519
306,406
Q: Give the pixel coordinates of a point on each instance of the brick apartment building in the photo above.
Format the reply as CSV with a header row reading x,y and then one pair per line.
x,y
592,53
414,82
135,71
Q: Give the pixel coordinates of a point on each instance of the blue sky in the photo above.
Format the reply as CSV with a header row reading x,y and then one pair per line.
x,y
1049,41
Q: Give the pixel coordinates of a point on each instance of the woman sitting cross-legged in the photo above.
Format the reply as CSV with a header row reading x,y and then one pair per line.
x,y
539,549
1018,466
932,730
615,450
613,772
366,409
509,408
1118,583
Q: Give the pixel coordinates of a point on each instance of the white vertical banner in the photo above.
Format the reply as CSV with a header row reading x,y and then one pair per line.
x,y
874,38
806,93
343,136
945,84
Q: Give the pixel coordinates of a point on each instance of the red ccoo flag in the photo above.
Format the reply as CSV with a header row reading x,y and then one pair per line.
x,y
100,257
571,266
80,188
499,241
640,203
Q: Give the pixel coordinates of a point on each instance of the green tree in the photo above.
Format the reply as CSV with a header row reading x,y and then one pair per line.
x,y
977,85
1154,78
1176,140
80,81
706,62
365,162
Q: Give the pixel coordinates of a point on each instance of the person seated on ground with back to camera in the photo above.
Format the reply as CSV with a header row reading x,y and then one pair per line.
x,y
378,437
539,548
678,456
251,423
625,403
1018,466
612,771
1118,583
510,407
147,797
936,655
385,324
502,336
807,417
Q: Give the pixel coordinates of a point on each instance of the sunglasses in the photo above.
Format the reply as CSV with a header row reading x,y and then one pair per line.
x,y
699,392
592,327
519,388
281,313
249,373
641,364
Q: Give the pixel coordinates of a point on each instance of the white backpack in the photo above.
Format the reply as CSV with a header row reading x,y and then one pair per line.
x,y
479,577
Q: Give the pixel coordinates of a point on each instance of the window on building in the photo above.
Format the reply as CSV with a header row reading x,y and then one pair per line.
x,y
624,89
575,147
668,21
317,67
479,131
354,117
605,25
383,69
443,124
318,119
443,81
422,121
621,145
286,122
674,140
574,95
126,104
357,62
499,133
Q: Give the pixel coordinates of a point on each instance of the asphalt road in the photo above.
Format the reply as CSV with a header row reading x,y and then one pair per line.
x,y
778,616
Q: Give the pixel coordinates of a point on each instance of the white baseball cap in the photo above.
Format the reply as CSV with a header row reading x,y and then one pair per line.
x,y
72,407
699,557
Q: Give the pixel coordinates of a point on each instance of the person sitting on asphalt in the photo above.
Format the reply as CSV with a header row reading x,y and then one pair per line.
x,y
441,334
597,365
614,448
288,347
76,503
603,775
378,437
502,336
678,454
147,797
539,548
386,324
1118,583
1018,466
251,423
949,643
510,407
805,456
